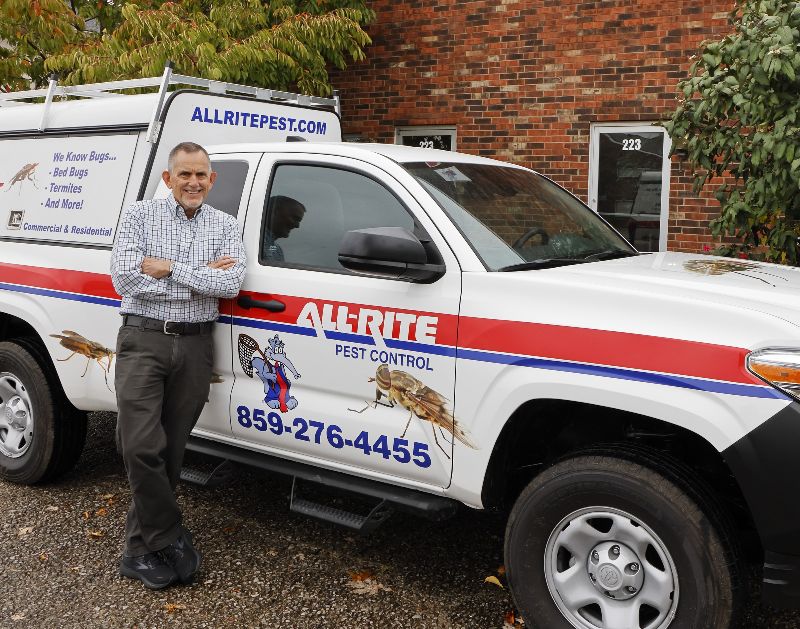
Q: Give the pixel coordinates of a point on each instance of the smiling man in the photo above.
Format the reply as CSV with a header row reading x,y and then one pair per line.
x,y
172,261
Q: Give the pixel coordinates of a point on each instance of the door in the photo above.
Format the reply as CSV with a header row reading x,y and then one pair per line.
x,y
319,350
629,181
230,193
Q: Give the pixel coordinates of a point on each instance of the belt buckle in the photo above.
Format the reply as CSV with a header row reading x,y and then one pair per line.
x,y
166,331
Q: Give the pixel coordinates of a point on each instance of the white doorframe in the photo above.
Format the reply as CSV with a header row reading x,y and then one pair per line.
x,y
594,155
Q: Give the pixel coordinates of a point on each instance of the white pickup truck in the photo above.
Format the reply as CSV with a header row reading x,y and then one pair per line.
x,y
434,329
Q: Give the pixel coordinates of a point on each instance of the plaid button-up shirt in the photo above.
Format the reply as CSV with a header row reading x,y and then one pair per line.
x,y
160,229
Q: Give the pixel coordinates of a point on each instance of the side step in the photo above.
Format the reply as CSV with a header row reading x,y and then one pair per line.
x,y
221,474
388,497
348,519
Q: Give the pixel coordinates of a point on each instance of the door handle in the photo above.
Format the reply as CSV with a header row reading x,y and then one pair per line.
x,y
273,305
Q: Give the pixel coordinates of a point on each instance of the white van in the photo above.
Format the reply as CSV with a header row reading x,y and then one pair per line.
x,y
453,330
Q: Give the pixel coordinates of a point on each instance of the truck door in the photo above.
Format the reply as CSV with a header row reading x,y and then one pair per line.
x,y
339,369
231,194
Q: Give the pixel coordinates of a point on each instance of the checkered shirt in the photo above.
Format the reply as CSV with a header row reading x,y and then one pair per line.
x,y
160,229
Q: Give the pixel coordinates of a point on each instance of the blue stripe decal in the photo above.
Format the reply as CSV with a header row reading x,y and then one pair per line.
x,y
684,382
436,350
270,325
43,292
670,380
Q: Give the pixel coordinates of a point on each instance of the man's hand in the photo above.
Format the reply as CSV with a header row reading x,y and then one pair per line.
x,y
156,267
224,263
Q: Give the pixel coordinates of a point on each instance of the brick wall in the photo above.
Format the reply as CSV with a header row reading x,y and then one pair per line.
x,y
523,80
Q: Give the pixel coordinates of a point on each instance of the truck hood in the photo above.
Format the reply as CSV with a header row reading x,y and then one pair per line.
x,y
768,288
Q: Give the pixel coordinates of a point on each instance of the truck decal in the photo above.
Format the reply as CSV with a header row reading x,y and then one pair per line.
x,y
212,115
584,351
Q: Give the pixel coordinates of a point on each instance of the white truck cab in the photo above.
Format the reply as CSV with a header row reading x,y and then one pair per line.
x,y
431,329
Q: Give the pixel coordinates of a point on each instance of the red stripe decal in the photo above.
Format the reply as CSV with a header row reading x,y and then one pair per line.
x,y
96,284
603,347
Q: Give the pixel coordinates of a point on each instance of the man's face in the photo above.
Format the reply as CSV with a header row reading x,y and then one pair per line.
x,y
190,179
286,219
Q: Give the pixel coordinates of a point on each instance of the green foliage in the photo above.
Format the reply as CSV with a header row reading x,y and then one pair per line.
x,y
277,44
739,120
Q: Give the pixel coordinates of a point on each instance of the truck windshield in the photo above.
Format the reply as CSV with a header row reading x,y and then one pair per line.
x,y
515,219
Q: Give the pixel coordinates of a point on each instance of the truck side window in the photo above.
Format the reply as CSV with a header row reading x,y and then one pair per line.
x,y
226,195
310,208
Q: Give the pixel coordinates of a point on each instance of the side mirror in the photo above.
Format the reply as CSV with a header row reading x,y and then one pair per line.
x,y
388,252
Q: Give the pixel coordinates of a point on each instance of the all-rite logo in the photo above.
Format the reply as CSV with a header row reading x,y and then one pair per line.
x,y
379,324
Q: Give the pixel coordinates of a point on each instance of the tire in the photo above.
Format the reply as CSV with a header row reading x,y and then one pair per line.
x,y
41,434
597,541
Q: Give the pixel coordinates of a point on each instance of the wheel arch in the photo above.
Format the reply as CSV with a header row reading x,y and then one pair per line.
x,y
18,330
552,429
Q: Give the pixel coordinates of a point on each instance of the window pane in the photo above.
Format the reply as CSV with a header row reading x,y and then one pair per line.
x,y
310,208
629,185
226,194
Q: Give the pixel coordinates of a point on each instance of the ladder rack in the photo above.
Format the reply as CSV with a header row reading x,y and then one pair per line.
x,y
110,89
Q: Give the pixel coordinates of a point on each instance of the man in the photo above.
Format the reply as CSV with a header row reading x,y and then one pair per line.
x,y
283,215
172,261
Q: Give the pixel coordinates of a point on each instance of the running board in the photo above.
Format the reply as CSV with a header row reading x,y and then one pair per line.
x,y
429,506
221,474
348,519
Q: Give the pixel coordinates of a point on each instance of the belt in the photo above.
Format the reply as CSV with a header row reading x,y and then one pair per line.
x,y
174,328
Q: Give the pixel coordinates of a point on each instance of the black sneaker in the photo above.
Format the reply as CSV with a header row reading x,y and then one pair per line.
x,y
150,569
182,557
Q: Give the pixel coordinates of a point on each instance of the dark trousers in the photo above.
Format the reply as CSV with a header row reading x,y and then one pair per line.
x,y
162,384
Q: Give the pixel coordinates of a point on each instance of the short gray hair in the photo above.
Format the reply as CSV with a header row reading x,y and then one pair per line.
x,y
185,147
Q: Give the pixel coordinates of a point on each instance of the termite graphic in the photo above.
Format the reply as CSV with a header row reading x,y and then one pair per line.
x,y
420,400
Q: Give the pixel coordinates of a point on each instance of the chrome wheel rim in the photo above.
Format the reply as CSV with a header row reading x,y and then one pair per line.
x,y
606,569
16,417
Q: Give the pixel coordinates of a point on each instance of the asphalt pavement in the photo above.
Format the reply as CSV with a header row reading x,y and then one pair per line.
x,y
263,566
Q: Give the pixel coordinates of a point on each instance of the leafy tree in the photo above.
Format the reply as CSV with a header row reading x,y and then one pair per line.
x,y
270,43
276,44
33,32
739,121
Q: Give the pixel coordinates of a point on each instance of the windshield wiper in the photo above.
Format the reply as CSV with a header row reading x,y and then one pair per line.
x,y
610,254
544,263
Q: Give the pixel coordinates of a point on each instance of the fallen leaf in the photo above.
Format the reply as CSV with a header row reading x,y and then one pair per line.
x,y
107,497
362,575
17,616
512,621
173,607
25,530
86,515
501,571
102,512
43,557
51,508
96,534
494,581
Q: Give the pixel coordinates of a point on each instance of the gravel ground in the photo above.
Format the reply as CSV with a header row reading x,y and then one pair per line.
x,y
263,566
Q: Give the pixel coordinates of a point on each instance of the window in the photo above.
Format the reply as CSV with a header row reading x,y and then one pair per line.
x,y
629,181
443,138
310,208
226,193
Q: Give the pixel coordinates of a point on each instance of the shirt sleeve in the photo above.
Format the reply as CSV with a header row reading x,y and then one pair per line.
x,y
216,282
126,263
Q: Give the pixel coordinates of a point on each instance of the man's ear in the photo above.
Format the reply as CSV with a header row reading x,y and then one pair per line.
x,y
167,178
212,178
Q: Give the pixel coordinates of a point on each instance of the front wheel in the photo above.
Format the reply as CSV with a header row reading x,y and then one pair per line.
x,y
601,542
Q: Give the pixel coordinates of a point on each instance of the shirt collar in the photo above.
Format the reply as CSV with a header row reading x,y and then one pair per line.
x,y
178,211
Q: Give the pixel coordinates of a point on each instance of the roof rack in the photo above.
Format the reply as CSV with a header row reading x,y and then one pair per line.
x,y
110,90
